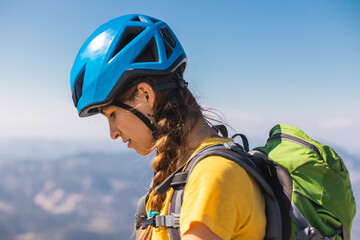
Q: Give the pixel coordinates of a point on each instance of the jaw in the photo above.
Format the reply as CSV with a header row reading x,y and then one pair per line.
x,y
143,151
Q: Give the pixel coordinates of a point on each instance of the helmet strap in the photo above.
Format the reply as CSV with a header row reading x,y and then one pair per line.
x,y
176,83
141,116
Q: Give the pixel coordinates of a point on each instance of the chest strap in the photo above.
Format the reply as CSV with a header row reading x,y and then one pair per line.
x,y
170,221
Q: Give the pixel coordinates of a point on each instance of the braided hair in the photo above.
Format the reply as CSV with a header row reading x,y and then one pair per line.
x,y
173,109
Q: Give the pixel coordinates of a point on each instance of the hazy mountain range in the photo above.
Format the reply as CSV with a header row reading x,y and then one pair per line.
x,y
90,195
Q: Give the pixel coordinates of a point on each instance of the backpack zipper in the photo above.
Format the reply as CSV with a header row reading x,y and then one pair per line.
x,y
295,140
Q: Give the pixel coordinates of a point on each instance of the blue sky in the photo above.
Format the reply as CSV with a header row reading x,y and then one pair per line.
x,y
259,62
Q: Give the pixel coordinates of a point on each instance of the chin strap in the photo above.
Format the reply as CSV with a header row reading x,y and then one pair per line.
x,y
141,116
175,83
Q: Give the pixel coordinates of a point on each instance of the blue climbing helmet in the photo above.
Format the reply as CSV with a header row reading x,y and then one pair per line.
x,y
121,49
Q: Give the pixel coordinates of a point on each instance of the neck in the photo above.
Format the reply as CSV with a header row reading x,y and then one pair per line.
x,y
199,132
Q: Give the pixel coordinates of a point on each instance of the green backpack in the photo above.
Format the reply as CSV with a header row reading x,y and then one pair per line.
x,y
306,186
321,188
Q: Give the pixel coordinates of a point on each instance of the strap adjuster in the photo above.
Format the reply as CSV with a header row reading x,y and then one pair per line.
x,y
170,221
147,221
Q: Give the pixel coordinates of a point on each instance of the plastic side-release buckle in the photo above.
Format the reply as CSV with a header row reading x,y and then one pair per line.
x,y
234,147
230,146
170,221
148,221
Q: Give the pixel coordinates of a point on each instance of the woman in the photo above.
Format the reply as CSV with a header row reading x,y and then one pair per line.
x,y
131,70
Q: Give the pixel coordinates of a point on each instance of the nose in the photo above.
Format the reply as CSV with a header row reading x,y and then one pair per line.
x,y
115,133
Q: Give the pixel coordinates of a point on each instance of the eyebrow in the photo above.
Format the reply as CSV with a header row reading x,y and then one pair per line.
x,y
101,111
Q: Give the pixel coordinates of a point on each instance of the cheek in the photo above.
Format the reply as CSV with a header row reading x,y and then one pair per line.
x,y
143,145
145,138
137,130
145,135
125,121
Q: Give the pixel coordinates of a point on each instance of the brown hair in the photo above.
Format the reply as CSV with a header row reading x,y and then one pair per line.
x,y
175,110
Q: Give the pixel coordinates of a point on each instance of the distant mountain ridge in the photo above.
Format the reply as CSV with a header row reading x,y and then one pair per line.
x,y
87,196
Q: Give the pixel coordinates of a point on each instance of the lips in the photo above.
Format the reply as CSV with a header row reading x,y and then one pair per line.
x,y
128,141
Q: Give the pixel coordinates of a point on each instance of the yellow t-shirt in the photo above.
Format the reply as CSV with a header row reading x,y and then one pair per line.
x,y
221,195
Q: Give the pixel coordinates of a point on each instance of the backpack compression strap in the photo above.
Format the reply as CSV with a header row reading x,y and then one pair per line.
x,y
307,231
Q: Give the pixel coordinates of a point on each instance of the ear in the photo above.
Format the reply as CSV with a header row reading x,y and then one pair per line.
x,y
146,94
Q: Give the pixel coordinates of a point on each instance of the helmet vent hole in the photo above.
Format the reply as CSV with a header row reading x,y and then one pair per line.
x,y
166,34
129,34
138,19
154,20
78,87
168,49
149,53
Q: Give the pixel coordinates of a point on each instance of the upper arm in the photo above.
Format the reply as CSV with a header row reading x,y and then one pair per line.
x,y
199,231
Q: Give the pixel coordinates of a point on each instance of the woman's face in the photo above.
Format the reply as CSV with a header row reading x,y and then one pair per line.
x,y
130,128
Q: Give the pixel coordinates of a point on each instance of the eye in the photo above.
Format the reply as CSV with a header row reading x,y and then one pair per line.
x,y
112,114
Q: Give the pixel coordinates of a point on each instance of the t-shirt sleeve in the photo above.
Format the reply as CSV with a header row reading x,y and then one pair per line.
x,y
225,198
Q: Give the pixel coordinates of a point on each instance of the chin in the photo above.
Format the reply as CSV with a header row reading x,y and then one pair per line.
x,y
143,152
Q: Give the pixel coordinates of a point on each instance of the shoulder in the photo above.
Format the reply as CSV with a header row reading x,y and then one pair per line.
x,y
220,189
219,177
218,170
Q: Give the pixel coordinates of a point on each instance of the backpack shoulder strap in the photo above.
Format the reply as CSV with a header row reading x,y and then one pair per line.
x,y
234,153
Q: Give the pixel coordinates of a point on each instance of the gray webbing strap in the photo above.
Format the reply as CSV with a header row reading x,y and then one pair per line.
x,y
179,178
298,218
171,235
345,234
178,201
229,154
174,208
306,231
166,184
